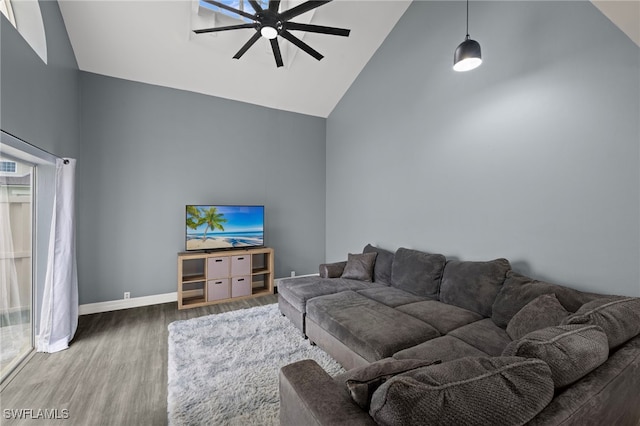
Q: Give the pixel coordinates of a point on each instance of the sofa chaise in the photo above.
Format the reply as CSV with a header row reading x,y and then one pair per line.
x,y
429,340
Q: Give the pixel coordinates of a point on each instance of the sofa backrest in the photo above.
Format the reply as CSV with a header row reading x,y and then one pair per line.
x,y
473,285
417,272
382,267
518,290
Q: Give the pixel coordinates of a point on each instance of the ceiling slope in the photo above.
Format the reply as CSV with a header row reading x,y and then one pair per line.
x,y
151,41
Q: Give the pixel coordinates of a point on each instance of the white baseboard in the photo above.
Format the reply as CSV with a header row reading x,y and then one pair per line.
x,y
277,280
134,302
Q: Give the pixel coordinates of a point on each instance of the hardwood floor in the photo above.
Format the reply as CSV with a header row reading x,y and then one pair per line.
x,y
114,372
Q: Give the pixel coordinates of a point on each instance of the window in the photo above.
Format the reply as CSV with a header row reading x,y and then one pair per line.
x,y
5,8
7,166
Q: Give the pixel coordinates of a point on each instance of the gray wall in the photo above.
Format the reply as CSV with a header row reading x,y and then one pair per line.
x,y
39,103
534,156
147,151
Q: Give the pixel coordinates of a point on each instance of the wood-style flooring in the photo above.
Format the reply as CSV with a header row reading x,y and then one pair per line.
x,y
114,372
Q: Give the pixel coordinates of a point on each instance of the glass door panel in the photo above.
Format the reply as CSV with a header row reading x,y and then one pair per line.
x,y
16,280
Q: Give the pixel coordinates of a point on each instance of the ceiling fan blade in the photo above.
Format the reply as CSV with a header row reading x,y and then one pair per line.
x,y
247,45
231,9
300,9
231,27
317,29
276,51
301,44
274,5
254,4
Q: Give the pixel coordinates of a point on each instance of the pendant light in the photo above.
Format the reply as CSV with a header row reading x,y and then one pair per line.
x,y
467,55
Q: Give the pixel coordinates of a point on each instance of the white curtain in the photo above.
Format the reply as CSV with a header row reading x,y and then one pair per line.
x,y
59,315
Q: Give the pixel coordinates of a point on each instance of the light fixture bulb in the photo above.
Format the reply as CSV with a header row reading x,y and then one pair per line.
x,y
268,32
467,64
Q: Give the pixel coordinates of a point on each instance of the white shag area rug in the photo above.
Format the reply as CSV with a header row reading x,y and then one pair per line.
x,y
223,368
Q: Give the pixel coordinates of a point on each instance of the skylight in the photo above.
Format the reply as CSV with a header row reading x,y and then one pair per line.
x,y
242,5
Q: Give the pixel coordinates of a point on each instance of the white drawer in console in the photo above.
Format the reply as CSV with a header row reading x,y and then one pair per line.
x,y
240,265
218,267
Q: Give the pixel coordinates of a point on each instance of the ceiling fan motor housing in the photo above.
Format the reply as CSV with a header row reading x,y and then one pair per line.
x,y
267,23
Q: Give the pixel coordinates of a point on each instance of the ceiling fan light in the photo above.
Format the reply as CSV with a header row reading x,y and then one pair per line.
x,y
268,32
467,55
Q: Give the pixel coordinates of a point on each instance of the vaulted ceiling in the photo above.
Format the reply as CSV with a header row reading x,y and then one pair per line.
x,y
151,41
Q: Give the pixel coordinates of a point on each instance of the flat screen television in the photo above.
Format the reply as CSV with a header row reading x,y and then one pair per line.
x,y
220,227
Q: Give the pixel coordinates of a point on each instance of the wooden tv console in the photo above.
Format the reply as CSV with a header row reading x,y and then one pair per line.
x,y
220,276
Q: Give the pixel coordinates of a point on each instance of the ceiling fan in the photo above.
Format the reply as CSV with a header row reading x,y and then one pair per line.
x,y
269,23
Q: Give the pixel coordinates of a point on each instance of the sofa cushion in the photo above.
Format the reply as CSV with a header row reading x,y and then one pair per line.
x,y
362,382
390,296
542,312
571,351
473,285
298,290
359,266
372,330
483,335
518,290
443,348
440,316
382,267
417,272
467,391
619,318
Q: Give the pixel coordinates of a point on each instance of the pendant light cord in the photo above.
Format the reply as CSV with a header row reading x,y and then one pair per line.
x,y
467,18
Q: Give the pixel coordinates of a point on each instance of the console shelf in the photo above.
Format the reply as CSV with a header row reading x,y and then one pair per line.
x,y
215,277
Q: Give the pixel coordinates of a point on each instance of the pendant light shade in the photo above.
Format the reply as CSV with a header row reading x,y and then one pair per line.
x,y
467,55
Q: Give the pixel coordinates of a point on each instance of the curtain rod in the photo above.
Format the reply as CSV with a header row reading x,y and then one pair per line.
x,y
28,148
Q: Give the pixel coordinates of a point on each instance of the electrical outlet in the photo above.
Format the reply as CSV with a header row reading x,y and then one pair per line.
x,y
127,295
293,273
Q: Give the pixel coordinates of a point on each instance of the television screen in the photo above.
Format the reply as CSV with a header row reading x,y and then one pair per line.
x,y
214,227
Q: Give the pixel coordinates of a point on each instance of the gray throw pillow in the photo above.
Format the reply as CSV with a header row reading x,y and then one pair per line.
x,y
359,266
466,391
362,382
619,318
417,272
571,351
542,312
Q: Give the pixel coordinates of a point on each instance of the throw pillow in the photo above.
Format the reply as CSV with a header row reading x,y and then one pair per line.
x,y
473,285
417,272
363,382
466,391
359,266
619,318
571,351
542,312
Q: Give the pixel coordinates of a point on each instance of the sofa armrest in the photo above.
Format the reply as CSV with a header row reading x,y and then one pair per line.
x,y
309,396
332,270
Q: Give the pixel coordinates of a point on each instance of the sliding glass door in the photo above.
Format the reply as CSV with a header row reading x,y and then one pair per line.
x,y
16,276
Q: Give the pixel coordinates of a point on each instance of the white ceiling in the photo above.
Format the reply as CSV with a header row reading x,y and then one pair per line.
x,y
151,41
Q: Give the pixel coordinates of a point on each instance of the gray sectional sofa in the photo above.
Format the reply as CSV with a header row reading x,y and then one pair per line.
x,y
426,340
